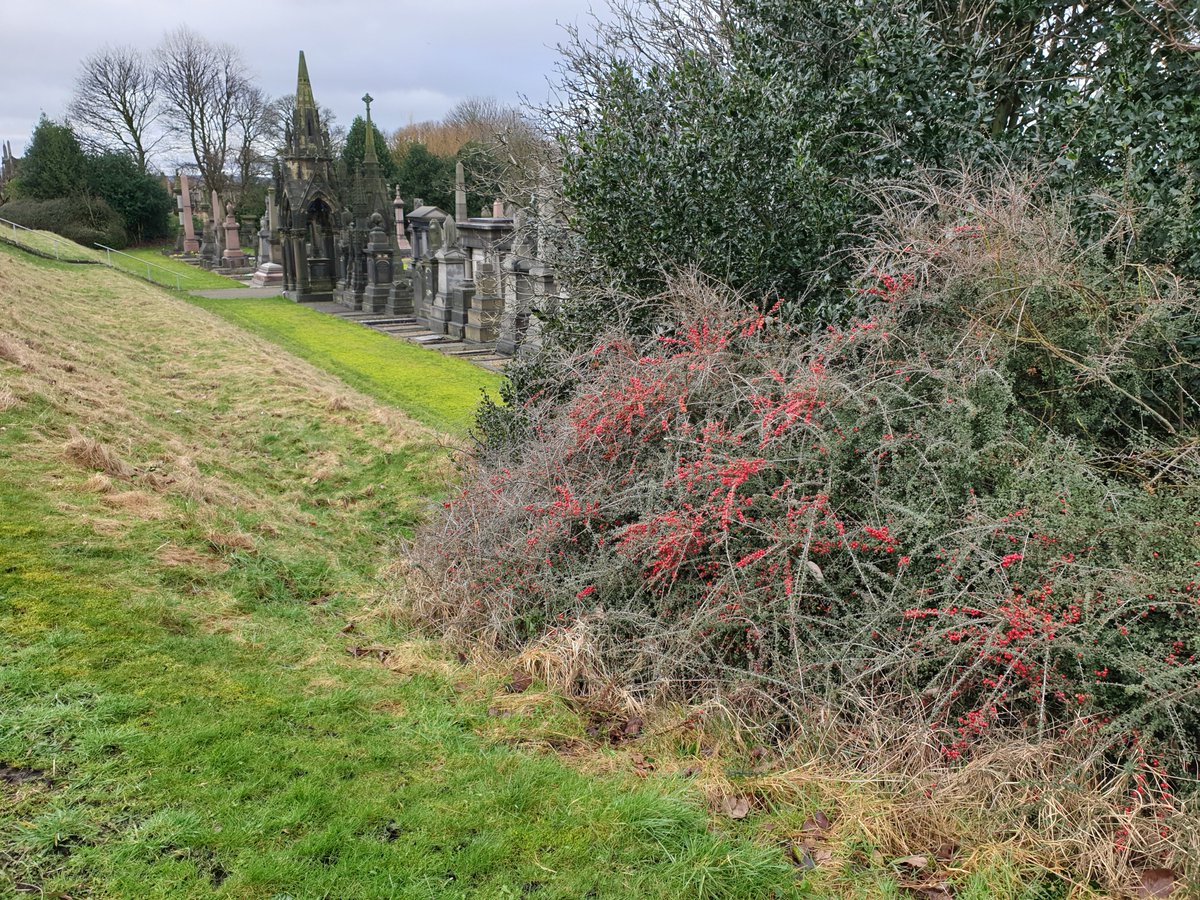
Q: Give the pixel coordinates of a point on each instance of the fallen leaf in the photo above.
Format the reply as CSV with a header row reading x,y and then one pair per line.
x,y
641,762
822,855
912,862
520,682
1156,883
800,858
736,807
943,891
946,852
818,823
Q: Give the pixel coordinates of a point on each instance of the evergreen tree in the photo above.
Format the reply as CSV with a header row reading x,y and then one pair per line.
x,y
356,146
141,200
54,164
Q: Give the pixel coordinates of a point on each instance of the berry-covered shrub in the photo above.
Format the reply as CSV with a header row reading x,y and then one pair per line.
x,y
974,505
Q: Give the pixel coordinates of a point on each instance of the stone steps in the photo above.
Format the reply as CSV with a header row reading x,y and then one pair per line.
x,y
406,328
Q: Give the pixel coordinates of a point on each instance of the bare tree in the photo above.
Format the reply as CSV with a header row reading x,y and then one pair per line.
x,y
255,119
283,109
201,86
114,104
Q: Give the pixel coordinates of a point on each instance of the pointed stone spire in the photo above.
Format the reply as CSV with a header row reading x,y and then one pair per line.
x,y
304,91
460,193
369,153
308,135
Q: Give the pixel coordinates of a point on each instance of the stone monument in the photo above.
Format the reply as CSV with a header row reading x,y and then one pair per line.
x,y
379,266
403,247
191,246
233,257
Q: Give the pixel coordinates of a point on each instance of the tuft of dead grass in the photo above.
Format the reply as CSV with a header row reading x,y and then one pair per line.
x,y
139,503
229,541
173,555
98,484
8,400
89,453
12,351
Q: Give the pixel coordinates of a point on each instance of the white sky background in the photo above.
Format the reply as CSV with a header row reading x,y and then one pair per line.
x,y
417,58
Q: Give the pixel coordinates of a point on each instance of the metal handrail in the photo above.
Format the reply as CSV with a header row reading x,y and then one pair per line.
x,y
15,226
109,251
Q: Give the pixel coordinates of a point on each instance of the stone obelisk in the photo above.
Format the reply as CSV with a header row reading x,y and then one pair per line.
x,y
190,243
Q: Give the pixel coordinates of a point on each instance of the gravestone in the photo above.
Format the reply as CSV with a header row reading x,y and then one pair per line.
x,y
190,244
232,258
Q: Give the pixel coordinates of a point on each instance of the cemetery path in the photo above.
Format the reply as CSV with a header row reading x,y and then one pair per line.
x,y
238,293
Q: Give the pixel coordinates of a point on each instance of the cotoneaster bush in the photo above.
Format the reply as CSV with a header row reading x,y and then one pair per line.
x,y
971,508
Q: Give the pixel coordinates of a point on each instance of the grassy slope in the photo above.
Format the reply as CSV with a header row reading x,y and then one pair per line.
x,y
192,278
178,711
438,390
50,243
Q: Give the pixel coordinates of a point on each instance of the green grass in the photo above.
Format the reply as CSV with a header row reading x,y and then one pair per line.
x,y
179,715
192,278
166,271
179,763
438,390
49,243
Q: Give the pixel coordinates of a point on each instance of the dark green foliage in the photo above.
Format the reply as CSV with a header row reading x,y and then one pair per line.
x,y
85,220
103,198
426,175
252,201
356,146
756,160
754,150
53,165
141,201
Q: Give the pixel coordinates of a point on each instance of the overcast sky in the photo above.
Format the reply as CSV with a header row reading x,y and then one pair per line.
x,y
417,58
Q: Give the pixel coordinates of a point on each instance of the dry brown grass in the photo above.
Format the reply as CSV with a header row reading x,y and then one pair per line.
x,y
98,484
89,453
8,400
125,367
173,556
137,503
11,350
229,542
